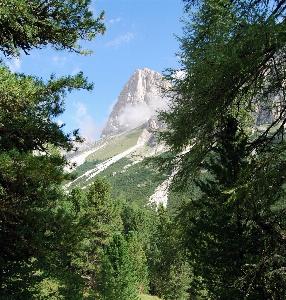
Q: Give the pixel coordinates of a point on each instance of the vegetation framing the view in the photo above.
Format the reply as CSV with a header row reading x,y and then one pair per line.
x,y
222,237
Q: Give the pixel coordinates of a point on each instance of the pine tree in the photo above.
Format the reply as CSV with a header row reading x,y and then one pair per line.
x,y
98,218
118,276
169,270
227,248
35,24
136,249
232,62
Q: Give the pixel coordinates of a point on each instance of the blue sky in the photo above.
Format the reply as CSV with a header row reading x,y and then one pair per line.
x,y
140,34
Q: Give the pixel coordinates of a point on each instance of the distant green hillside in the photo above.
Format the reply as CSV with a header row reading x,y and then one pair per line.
x,y
129,176
135,182
116,145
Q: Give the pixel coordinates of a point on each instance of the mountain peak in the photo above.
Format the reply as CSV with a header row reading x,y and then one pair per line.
x,y
139,100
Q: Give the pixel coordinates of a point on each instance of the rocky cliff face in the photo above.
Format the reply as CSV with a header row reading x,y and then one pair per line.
x,y
138,101
269,110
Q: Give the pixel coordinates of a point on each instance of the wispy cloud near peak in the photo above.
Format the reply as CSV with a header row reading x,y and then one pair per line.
x,y
126,38
85,122
114,20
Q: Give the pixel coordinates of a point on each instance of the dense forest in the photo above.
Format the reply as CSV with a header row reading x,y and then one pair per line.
x,y
225,240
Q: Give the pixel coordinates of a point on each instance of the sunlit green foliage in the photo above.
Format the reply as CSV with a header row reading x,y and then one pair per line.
x,y
136,183
25,25
118,276
37,230
31,171
116,145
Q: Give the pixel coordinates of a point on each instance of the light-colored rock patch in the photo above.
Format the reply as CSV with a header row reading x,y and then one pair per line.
x,y
80,158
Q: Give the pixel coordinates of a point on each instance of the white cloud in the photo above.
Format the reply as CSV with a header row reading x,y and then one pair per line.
x,y
14,65
59,61
75,71
121,39
81,110
180,74
112,21
60,122
86,123
134,115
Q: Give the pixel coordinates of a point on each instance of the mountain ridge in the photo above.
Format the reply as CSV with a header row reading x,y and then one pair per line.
x,y
138,101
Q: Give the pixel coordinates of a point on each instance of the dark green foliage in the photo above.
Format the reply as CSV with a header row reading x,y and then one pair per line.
x,y
29,107
136,249
233,60
54,265
233,71
42,249
97,219
103,211
140,220
29,180
233,254
213,223
37,231
139,224
137,183
32,24
169,272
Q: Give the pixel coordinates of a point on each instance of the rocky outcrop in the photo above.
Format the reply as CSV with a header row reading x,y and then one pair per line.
x,y
144,137
154,124
138,101
268,112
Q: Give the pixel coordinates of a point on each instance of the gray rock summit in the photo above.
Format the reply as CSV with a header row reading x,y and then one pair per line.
x,y
138,101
